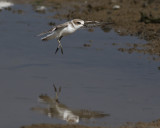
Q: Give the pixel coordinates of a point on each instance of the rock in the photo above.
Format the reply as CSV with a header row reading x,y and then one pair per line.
x,y
115,7
40,9
148,19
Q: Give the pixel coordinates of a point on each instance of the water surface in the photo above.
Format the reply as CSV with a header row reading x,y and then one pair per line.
x,y
97,78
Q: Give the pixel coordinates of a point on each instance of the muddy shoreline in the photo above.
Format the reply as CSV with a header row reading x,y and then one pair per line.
x,y
153,124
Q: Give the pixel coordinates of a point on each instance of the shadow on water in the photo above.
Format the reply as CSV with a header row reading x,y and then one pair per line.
x,y
56,109
94,74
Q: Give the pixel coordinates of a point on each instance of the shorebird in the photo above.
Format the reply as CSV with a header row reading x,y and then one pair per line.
x,y
61,30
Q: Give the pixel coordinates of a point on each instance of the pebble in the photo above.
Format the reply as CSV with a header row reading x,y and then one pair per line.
x,y
115,7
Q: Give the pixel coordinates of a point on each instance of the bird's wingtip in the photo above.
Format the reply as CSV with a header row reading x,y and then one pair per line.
x,y
41,34
44,39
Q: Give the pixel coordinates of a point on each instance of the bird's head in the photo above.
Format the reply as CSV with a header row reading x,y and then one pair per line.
x,y
78,23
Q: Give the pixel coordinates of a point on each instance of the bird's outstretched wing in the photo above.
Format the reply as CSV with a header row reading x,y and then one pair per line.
x,y
51,112
44,111
88,114
61,26
90,24
58,27
51,33
46,99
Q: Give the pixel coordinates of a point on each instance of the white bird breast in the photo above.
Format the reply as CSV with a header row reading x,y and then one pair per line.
x,y
68,30
67,115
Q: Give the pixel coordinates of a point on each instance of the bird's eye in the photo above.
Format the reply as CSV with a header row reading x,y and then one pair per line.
x,y
78,22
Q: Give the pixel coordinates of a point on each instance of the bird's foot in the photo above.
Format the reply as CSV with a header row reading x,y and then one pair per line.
x,y
56,50
59,46
61,50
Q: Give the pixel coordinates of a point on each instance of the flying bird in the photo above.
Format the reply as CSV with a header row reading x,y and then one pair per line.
x,y
61,30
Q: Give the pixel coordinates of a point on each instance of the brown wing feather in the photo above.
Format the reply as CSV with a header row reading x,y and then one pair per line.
x,y
61,26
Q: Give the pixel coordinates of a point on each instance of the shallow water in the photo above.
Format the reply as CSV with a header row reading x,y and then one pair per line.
x,y
97,78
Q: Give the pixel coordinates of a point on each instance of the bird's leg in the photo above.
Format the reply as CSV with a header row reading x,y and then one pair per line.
x,y
57,49
57,92
59,46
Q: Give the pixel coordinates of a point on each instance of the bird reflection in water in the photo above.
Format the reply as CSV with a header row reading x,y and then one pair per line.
x,y
56,109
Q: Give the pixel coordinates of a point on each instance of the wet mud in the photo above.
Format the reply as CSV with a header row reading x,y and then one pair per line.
x,y
57,126
153,124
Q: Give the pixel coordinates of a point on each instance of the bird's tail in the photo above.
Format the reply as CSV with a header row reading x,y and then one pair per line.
x,y
43,33
48,37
